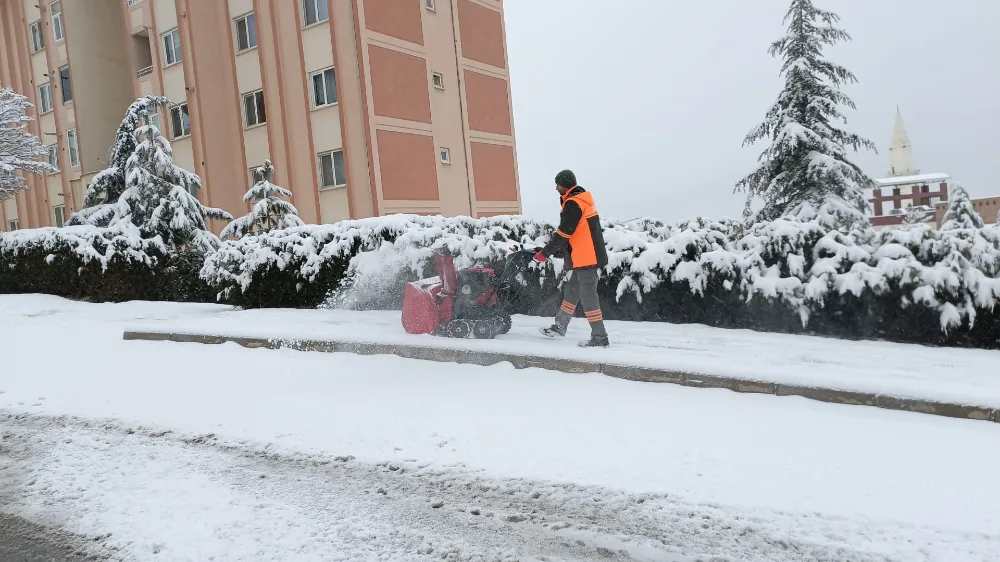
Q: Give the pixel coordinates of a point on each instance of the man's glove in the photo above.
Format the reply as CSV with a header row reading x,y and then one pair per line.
x,y
540,257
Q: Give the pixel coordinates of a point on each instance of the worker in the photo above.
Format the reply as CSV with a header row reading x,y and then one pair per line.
x,y
580,240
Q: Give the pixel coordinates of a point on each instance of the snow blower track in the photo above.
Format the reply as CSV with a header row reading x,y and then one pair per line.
x,y
443,354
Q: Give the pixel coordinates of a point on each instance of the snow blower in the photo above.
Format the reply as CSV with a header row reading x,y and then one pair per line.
x,y
470,302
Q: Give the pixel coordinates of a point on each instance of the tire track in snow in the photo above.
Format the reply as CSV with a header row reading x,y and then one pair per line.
x,y
173,497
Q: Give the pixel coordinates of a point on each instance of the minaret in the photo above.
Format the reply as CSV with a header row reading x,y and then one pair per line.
x,y
901,152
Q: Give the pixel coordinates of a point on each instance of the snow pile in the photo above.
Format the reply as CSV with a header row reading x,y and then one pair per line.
x,y
799,272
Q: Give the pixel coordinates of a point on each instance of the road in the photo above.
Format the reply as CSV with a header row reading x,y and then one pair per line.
x,y
171,497
21,541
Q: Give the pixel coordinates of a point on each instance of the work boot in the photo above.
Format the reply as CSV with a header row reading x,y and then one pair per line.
x,y
596,341
553,331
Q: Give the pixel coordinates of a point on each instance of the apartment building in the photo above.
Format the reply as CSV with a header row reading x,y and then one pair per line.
x,y
366,107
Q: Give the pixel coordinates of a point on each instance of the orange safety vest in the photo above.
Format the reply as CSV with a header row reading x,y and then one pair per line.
x,y
583,252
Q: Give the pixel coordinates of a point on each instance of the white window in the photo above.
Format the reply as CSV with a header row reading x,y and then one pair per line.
x,y
172,47
430,5
55,10
74,148
65,85
445,156
37,39
53,156
154,120
180,121
315,11
438,80
59,212
324,87
331,165
246,32
45,97
13,225
253,108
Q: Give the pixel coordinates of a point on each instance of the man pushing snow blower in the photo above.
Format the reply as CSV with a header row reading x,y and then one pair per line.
x,y
581,240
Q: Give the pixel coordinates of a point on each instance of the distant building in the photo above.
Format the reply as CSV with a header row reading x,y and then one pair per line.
x,y
905,189
988,208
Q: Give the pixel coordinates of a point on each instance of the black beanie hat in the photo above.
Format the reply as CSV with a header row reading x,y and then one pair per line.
x,y
566,178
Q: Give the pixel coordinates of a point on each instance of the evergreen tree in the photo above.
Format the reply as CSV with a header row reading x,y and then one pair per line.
x,y
806,163
960,216
269,211
102,195
19,149
159,196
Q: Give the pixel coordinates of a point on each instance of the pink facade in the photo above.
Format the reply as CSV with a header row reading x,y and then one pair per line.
x,y
366,107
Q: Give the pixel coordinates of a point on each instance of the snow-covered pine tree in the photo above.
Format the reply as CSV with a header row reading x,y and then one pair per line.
x,y
159,196
102,195
806,164
19,149
269,211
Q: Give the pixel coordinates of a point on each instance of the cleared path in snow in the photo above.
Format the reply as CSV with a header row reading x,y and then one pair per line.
x,y
168,497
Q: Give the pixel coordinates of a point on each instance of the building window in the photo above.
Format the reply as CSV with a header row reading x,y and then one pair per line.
x,y
53,157
438,80
65,85
324,87
315,11
253,109
172,47
45,97
37,39
55,10
154,121
246,32
74,148
13,225
445,156
331,166
431,5
180,121
59,211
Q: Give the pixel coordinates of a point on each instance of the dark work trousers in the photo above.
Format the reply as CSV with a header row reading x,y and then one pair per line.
x,y
581,288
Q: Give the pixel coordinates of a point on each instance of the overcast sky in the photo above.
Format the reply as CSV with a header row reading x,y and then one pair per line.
x,y
649,100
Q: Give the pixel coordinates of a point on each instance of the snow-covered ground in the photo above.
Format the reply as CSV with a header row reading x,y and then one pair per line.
x,y
191,452
951,375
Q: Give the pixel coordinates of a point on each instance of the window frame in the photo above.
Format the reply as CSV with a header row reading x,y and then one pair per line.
x,y
316,8
65,85
259,106
333,167
40,36
156,116
431,5
182,110
444,155
437,80
57,22
73,146
326,87
53,157
13,224
59,217
46,87
175,38
236,32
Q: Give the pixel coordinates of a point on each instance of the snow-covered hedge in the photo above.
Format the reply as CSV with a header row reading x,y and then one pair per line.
x,y
796,274
98,264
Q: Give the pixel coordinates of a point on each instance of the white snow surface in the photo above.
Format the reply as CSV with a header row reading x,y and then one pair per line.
x,y
193,452
964,376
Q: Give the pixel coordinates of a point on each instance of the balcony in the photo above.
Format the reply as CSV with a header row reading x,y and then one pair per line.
x,y
132,2
144,71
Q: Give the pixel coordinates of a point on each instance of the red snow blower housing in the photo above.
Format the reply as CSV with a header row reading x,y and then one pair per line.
x,y
456,304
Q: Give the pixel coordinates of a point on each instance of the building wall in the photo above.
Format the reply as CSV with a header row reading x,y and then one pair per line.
x,y
988,208
390,121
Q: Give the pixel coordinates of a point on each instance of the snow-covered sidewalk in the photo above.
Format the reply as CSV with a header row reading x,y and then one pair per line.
x,y
961,376
651,472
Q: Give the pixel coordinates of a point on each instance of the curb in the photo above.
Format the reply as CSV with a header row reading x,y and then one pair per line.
x,y
625,372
